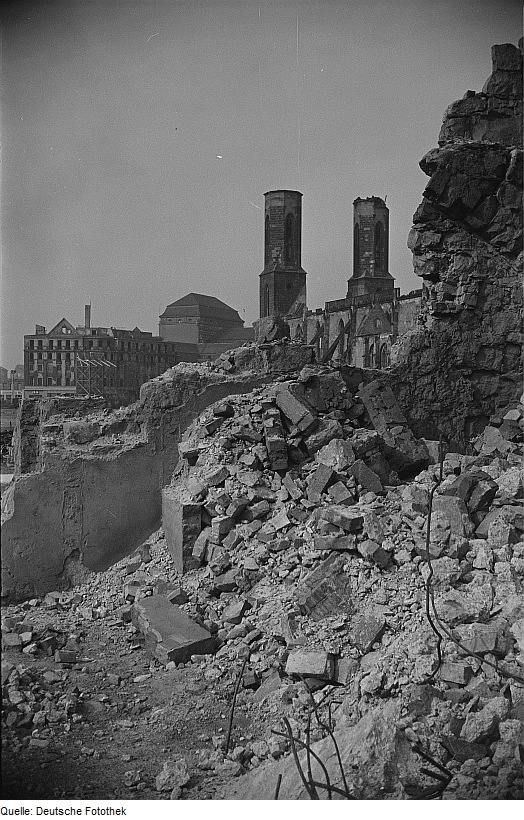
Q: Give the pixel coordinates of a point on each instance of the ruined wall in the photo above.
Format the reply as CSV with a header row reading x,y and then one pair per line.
x,y
465,362
95,494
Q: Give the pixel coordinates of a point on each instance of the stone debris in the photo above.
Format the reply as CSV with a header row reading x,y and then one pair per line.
x,y
319,582
170,635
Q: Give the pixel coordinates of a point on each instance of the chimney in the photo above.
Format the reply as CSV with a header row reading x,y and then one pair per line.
x,y
87,322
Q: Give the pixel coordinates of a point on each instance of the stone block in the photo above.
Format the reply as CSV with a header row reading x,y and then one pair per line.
x,y
346,518
280,520
214,478
310,664
294,491
461,750
237,506
257,510
227,582
326,430
295,410
224,410
170,634
326,590
340,494
367,479
235,611
365,630
212,426
182,523
482,496
374,552
231,540
403,451
221,525
455,511
338,454
345,669
458,673
200,547
275,440
318,481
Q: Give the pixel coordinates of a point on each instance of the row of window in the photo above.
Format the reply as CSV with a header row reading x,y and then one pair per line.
x,y
95,344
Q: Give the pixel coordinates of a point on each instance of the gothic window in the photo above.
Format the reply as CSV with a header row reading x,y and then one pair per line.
x,y
384,356
265,308
341,339
379,245
356,249
267,255
289,237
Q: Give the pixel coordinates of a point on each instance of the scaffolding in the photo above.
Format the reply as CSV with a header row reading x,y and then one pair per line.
x,y
94,375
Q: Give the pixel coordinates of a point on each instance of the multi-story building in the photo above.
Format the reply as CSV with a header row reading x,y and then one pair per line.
x,y
205,325
11,383
95,361
359,329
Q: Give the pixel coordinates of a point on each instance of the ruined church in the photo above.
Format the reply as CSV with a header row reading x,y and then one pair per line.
x,y
359,329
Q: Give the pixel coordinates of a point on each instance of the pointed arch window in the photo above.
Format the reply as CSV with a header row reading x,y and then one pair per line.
x,y
266,301
341,339
289,237
379,245
356,249
267,241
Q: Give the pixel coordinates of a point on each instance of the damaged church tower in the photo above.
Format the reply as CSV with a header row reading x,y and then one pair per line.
x,y
371,276
283,280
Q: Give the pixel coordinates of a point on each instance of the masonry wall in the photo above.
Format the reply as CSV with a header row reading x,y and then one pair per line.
x,y
464,363
91,504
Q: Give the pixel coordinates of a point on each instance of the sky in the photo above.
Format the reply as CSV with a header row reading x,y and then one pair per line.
x,y
138,138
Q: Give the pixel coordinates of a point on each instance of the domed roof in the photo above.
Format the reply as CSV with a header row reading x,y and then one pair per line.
x,y
197,304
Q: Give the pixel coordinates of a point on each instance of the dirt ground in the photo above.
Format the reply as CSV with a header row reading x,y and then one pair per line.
x,y
123,731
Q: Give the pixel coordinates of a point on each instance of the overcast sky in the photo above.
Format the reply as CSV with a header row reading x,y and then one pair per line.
x,y
139,136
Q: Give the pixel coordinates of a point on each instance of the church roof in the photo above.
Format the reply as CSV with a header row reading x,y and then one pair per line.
x,y
198,304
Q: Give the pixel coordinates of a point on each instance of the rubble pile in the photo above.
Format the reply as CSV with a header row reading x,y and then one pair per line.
x,y
295,552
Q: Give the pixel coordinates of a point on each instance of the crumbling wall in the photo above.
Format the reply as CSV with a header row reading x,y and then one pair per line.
x,y
465,361
95,491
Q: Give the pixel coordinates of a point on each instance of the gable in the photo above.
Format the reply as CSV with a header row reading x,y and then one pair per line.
x,y
63,328
375,323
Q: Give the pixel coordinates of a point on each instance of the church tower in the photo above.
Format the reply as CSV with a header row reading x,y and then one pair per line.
x,y
283,281
371,276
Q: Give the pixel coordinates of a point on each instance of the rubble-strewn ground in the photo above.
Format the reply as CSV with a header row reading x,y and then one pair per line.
x,y
307,558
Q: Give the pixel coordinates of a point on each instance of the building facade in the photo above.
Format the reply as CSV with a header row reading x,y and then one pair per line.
x,y
359,329
11,383
93,361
